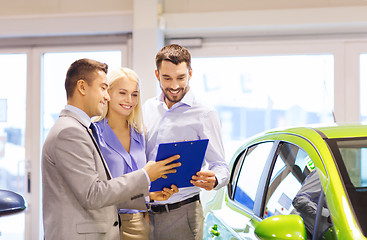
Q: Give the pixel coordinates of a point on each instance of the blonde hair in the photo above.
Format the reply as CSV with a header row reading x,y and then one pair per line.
x,y
135,118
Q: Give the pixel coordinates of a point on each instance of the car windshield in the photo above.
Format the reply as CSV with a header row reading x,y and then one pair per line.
x,y
351,158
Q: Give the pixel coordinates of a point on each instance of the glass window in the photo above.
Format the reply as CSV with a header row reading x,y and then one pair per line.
x,y
289,172
254,94
355,160
250,173
13,68
354,157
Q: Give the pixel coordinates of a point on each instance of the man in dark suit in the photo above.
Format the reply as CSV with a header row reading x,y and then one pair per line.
x,y
80,199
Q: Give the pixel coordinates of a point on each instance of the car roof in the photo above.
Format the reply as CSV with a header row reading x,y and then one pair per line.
x,y
327,131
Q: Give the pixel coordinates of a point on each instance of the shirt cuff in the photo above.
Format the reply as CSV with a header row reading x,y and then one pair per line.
x,y
146,175
325,212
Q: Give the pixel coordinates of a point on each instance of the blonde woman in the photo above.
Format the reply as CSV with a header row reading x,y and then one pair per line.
x,y
121,139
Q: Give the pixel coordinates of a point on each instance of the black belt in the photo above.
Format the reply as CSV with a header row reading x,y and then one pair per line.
x,y
169,207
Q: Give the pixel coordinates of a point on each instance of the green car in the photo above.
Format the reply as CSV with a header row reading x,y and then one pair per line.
x,y
297,183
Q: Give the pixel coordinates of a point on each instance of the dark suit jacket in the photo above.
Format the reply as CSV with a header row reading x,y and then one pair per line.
x,y
80,200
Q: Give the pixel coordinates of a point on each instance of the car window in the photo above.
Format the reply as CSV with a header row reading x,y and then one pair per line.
x,y
355,160
250,173
295,188
286,179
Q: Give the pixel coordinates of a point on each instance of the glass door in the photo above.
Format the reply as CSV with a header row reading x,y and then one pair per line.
x,y
55,66
13,69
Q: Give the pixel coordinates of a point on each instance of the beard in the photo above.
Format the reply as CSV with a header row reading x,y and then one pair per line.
x,y
174,99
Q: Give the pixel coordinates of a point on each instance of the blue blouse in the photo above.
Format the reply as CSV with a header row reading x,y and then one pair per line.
x,y
120,161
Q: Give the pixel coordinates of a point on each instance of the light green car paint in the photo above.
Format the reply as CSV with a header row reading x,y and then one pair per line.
x,y
311,140
268,229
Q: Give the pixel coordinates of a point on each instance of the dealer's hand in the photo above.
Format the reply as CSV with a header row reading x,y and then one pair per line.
x,y
164,194
205,179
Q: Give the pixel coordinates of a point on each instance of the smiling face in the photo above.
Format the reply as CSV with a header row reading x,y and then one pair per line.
x,y
96,94
174,81
124,97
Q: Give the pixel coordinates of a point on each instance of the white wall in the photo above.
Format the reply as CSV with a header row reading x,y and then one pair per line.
x,y
50,7
174,6
275,22
18,8
184,18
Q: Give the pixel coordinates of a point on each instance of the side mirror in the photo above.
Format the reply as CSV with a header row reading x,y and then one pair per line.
x,y
281,227
11,203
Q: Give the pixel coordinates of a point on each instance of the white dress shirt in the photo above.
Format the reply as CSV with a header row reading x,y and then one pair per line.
x,y
186,120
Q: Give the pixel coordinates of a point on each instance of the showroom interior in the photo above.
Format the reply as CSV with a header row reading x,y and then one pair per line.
x,y
261,64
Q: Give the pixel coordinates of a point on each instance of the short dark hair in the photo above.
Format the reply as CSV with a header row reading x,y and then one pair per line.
x,y
82,69
173,53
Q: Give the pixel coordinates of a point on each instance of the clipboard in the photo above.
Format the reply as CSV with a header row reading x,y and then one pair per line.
x,y
192,155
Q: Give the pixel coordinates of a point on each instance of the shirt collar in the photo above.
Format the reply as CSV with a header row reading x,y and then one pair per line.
x,y
133,133
80,113
188,99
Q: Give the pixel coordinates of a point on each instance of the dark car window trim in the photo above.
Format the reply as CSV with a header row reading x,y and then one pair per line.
x,y
259,207
316,230
237,166
232,184
267,179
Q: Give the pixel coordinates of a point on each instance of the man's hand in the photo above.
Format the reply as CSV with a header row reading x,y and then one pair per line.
x,y
164,194
204,179
159,169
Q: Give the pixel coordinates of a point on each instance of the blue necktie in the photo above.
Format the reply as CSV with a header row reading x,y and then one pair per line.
x,y
94,131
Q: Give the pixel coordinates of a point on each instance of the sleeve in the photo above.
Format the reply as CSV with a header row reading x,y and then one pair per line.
x,y
214,156
306,199
85,176
304,205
